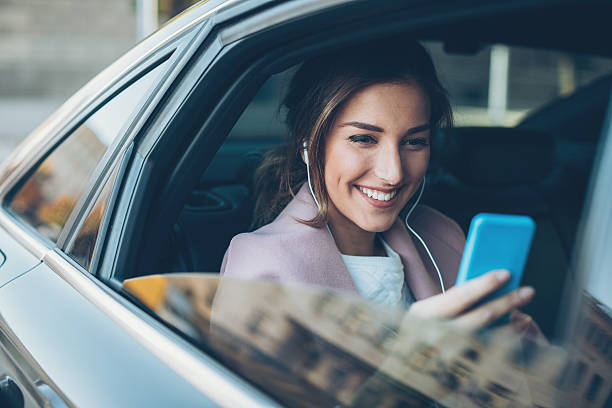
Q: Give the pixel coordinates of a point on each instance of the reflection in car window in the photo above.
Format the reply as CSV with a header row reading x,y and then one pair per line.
x,y
83,248
49,195
312,347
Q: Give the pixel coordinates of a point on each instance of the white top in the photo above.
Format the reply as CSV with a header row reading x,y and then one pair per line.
x,y
378,278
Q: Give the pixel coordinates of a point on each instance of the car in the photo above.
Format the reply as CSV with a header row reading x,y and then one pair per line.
x,y
117,210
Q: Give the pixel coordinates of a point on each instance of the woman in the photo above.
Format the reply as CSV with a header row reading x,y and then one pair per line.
x,y
360,122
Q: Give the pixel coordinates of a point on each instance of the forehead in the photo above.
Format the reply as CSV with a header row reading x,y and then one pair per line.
x,y
388,105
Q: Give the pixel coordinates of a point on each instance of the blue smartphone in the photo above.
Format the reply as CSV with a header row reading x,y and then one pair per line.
x,y
497,241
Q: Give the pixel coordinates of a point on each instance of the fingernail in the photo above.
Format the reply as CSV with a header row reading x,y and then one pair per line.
x,y
502,275
526,293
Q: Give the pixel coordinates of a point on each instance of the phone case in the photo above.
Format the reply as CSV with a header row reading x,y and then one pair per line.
x,y
497,241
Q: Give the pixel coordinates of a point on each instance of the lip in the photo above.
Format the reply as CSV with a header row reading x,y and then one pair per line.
x,y
384,190
377,203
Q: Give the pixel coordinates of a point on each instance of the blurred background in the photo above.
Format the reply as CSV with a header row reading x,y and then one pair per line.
x,y
49,49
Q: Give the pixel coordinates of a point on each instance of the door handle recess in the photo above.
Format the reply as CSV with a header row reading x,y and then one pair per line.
x,y
10,394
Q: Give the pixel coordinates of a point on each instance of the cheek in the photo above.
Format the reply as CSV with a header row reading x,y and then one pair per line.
x,y
415,165
344,166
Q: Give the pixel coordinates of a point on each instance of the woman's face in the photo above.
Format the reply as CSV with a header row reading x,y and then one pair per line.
x,y
376,155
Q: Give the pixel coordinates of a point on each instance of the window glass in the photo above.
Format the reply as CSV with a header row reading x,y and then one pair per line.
x,y
49,195
83,247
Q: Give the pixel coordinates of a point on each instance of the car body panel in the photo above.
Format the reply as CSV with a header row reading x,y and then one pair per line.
x,y
16,259
68,336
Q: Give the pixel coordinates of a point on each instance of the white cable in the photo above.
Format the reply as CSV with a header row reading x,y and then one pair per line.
x,y
308,175
421,239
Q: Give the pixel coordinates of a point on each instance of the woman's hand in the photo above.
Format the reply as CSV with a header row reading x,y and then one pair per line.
x,y
457,302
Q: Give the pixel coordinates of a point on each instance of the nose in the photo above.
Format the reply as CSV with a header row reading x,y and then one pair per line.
x,y
389,166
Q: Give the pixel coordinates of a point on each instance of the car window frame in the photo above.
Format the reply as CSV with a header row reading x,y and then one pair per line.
x,y
589,253
232,54
252,32
113,175
178,86
254,40
109,158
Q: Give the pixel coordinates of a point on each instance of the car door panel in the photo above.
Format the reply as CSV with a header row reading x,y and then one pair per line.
x,y
90,358
15,389
17,260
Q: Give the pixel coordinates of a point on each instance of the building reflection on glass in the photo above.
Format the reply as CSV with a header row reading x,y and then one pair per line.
x,y
316,347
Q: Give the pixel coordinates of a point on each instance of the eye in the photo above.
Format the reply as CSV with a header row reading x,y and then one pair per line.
x,y
363,139
417,142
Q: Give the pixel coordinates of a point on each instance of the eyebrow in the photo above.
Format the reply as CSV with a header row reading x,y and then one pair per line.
x,y
373,128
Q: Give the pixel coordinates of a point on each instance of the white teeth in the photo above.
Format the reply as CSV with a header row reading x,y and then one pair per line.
x,y
378,195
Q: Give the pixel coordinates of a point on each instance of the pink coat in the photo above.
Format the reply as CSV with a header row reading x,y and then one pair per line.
x,y
293,253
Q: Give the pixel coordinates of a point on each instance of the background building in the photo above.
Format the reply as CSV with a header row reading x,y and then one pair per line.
x,y
49,49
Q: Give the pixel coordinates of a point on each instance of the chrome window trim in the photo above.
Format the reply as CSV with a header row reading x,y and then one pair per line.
x,y
201,371
119,168
36,245
149,140
276,15
180,57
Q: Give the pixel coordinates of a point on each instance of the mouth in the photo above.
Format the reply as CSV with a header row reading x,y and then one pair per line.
x,y
379,198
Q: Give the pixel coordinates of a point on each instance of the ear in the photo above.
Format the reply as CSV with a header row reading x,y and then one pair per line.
x,y
303,151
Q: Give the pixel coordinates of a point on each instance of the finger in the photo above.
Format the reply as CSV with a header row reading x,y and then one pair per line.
x,y
491,311
460,298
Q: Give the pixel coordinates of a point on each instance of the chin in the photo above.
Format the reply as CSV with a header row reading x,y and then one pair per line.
x,y
381,226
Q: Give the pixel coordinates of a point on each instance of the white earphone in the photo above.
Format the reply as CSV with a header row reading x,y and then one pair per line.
x,y
421,239
305,145
308,174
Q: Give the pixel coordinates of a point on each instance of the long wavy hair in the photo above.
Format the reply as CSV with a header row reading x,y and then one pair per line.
x,y
317,92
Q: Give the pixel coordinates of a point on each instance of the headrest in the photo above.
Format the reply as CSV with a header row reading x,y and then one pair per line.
x,y
496,156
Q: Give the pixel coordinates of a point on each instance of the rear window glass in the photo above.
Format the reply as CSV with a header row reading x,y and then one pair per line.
x,y
49,195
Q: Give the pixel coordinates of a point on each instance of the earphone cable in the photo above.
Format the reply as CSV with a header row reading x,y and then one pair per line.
x,y
421,239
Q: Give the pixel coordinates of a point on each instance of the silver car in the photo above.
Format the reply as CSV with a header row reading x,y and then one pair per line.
x,y
116,212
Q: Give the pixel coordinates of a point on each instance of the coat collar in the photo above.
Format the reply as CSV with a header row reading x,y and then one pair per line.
x,y
328,268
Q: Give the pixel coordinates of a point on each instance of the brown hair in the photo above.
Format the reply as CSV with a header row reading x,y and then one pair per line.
x,y
317,92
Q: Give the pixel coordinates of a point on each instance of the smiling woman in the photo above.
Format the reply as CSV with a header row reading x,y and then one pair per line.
x,y
359,124
376,156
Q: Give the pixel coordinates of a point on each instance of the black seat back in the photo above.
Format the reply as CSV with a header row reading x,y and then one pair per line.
x,y
512,171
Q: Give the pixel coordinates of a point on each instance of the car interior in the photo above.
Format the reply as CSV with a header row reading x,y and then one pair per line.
x,y
540,167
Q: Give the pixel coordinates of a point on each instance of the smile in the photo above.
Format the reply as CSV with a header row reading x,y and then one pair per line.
x,y
378,195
